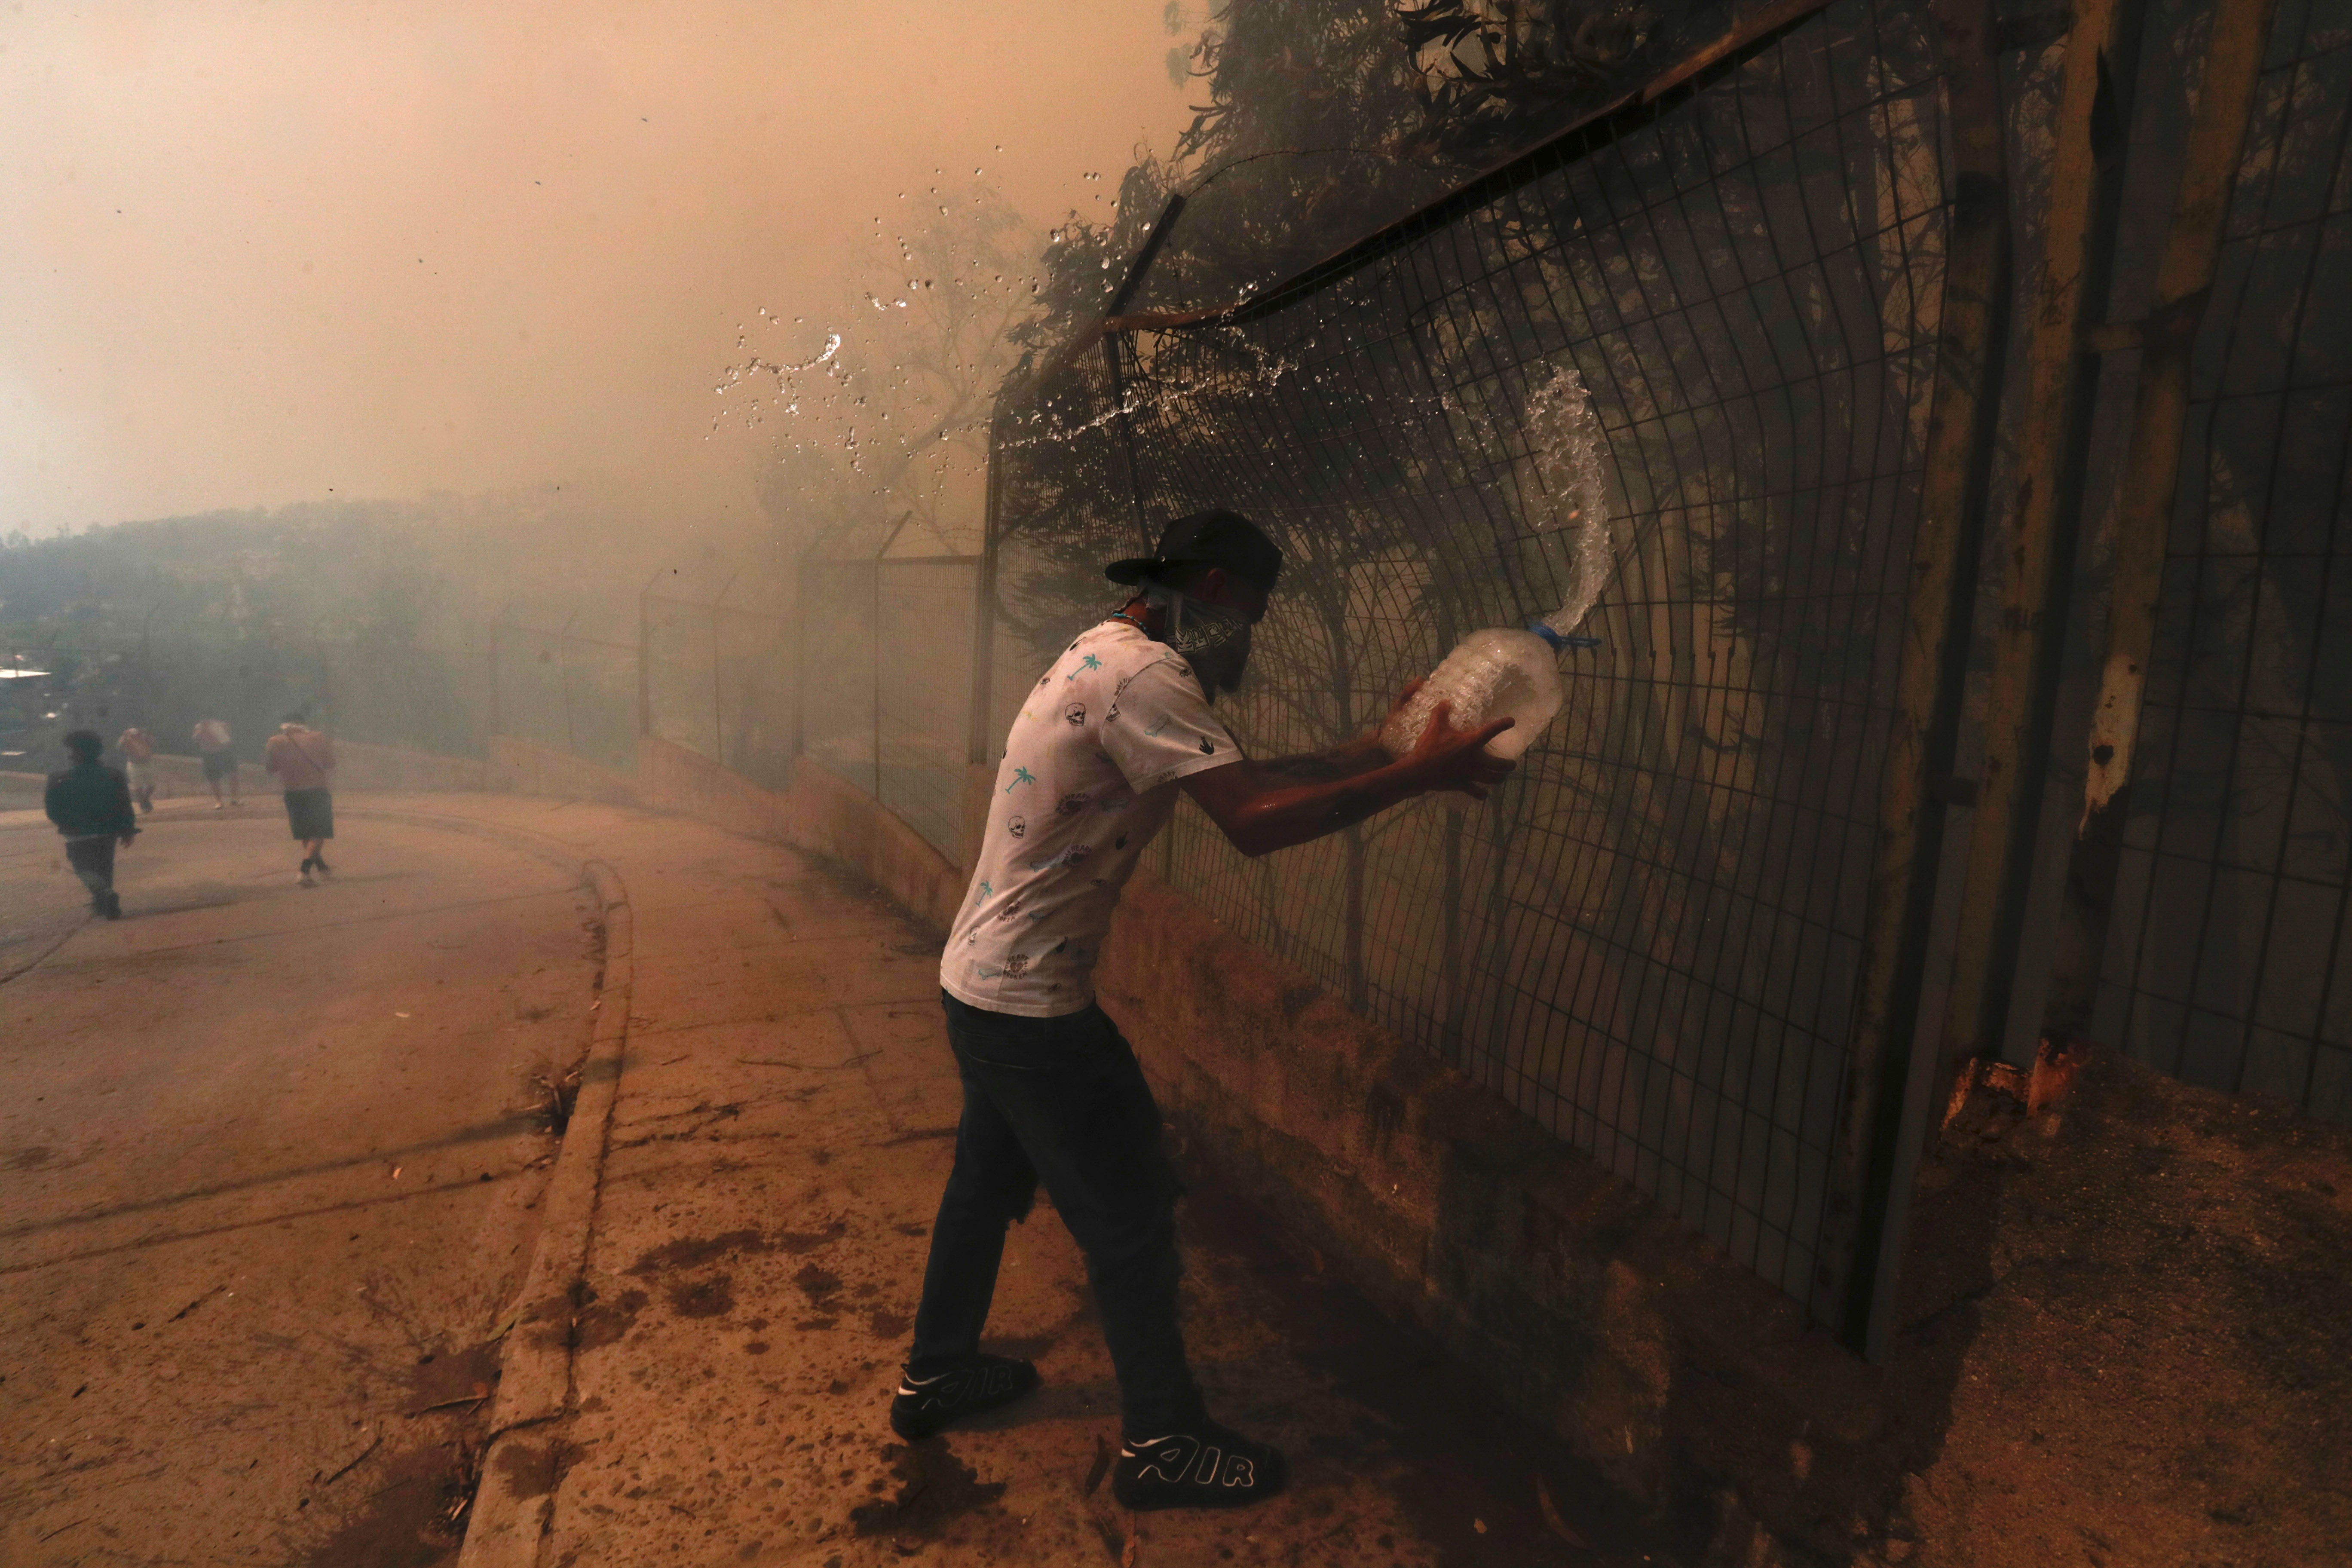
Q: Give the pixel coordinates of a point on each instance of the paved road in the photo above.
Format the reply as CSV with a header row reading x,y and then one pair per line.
x,y
267,1168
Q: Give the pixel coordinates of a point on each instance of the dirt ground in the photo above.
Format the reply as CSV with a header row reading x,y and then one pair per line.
x,y
2126,1343
2154,1283
271,1159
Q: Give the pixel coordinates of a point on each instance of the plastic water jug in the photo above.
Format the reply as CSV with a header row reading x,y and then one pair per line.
x,y
1502,672
1495,673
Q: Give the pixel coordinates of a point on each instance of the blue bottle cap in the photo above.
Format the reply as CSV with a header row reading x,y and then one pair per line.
x,y
1561,640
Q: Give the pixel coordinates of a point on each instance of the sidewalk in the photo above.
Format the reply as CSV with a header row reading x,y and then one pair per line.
x,y
784,1118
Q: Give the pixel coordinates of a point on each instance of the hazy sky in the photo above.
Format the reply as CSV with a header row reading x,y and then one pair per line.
x,y
255,252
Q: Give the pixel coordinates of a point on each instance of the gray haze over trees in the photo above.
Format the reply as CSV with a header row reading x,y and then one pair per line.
x,y
869,399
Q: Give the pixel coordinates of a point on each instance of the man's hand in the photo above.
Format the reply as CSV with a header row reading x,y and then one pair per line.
x,y
128,837
1448,758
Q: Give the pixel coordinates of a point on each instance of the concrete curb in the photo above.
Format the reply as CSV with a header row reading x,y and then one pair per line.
x,y
516,1494
513,1501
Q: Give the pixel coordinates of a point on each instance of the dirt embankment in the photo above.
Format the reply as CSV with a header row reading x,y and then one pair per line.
x,y
2126,1340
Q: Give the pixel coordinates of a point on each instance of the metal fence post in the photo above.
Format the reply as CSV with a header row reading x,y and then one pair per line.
x,y
718,697
563,680
874,654
2217,140
645,653
2062,377
496,626
1878,1143
800,657
1132,280
983,631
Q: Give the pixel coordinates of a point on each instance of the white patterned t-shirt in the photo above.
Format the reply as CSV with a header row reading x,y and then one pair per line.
x,y
1089,774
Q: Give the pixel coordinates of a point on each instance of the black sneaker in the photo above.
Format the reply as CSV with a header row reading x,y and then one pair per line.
x,y
1202,1466
112,907
927,1404
320,861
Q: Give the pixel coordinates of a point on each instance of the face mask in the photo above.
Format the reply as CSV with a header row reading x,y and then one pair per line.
x,y
1214,640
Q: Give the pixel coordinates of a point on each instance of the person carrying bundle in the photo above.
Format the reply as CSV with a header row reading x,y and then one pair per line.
x,y
301,758
90,805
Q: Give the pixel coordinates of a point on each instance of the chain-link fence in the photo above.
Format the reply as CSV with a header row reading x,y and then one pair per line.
x,y
718,672
552,682
1652,940
887,631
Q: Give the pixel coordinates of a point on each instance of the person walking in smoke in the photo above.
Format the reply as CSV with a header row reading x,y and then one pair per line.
x,y
213,743
90,804
1051,1090
139,765
302,758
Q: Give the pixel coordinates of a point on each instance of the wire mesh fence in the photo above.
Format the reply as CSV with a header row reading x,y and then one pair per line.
x,y
1650,940
555,685
719,673
2227,959
887,635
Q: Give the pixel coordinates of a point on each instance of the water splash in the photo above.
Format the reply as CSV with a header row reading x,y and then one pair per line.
x,y
1568,449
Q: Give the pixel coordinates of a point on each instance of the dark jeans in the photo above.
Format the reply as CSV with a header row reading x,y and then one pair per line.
x,y
93,860
1061,1100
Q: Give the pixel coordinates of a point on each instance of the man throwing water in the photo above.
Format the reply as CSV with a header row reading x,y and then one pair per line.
x,y
1051,1090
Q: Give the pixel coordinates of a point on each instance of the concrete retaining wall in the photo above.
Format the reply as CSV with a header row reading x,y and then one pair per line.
x,y
526,767
1455,1212
819,813
361,765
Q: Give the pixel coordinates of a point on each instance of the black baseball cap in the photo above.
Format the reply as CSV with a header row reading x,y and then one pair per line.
x,y
1213,538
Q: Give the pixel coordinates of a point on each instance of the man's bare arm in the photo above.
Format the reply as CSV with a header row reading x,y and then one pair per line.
x,y
1261,809
1345,760
1348,759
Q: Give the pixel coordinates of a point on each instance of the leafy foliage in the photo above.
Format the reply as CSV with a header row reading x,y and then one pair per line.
x,y
328,608
1492,75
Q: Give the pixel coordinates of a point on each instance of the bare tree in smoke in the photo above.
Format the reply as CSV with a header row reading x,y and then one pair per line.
x,y
896,420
